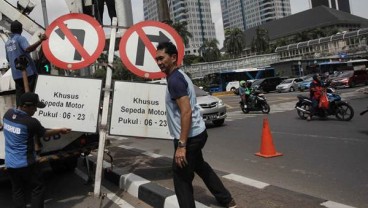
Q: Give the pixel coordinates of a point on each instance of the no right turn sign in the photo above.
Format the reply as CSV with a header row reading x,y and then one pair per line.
x,y
138,47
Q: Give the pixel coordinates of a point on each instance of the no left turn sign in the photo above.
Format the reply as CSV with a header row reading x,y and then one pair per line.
x,y
74,41
138,47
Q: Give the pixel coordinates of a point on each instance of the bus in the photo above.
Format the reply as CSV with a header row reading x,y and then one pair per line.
x,y
216,82
336,66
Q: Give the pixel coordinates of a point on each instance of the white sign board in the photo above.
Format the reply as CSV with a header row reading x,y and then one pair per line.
x,y
138,109
70,102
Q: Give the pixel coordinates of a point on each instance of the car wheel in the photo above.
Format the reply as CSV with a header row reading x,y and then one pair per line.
x,y
218,122
291,89
352,84
64,165
233,89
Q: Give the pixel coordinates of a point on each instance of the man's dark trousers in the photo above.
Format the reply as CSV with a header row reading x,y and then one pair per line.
x,y
183,177
24,178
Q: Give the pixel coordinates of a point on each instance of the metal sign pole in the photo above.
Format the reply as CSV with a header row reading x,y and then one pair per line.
x,y
105,110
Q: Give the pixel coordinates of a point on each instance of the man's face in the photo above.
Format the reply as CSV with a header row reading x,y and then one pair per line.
x,y
165,62
30,110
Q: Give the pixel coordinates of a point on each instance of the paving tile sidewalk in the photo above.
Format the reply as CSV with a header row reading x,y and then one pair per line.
x,y
148,177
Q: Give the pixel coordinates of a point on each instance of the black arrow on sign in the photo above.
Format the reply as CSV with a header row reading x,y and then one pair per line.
x,y
79,34
161,37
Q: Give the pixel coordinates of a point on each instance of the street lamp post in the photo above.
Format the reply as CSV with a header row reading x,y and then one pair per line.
x,y
300,69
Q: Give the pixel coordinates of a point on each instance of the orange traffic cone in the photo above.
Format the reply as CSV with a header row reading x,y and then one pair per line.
x,y
267,147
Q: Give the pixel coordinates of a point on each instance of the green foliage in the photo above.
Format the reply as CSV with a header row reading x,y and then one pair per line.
x,y
192,59
181,28
234,42
260,42
210,51
119,71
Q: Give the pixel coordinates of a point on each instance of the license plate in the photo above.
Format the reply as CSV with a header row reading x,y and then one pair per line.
x,y
211,117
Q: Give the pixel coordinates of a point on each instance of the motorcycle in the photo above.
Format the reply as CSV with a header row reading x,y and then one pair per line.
x,y
340,109
257,102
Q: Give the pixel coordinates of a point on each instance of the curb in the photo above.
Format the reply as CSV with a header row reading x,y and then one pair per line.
x,y
223,93
159,196
149,192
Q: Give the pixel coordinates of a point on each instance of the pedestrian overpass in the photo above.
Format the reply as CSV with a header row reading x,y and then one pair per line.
x,y
197,71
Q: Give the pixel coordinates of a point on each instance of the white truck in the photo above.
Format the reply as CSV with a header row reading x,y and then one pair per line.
x,y
61,151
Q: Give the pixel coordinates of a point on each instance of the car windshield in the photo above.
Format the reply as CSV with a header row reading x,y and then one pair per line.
x,y
307,76
345,74
287,81
199,92
309,79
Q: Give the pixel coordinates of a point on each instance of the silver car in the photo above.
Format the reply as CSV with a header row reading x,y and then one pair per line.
x,y
288,85
212,108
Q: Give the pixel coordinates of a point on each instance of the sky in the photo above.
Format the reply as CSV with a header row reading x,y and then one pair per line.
x,y
58,8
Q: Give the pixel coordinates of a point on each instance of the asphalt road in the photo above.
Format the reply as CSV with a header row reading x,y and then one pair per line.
x,y
70,190
322,158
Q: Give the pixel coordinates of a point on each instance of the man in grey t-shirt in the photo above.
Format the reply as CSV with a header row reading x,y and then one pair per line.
x,y
189,131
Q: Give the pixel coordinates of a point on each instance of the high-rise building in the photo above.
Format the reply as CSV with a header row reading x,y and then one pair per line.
x,y
196,13
342,5
245,14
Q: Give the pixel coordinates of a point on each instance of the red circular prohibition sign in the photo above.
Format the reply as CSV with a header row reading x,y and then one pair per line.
x,y
87,58
138,28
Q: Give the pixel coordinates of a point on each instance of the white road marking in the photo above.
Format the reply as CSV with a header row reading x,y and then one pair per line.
x,y
246,181
113,197
331,204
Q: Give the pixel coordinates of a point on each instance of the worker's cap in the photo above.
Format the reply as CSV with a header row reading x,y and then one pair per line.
x,y
16,26
31,99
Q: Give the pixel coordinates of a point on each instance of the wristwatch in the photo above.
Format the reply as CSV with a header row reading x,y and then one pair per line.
x,y
182,144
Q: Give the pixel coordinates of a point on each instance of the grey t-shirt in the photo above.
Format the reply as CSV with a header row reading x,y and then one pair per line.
x,y
178,85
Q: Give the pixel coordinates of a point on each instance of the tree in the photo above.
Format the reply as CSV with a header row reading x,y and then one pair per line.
x,y
302,36
181,28
192,59
234,42
209,50
260,43
119,71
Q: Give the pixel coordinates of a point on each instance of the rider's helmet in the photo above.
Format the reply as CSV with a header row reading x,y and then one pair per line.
x,y
242,83
316,76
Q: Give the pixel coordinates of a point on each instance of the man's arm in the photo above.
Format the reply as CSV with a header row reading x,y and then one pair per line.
x,y
185,124
36,44
52,132
185,117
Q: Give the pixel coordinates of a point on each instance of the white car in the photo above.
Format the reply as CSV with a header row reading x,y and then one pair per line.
x,y
288,85
213,109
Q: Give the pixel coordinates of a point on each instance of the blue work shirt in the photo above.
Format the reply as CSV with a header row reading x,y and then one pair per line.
x,y
15,47
179,85
19,132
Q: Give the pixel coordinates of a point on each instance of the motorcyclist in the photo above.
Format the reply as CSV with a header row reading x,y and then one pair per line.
x,y
244,92
248,92
315,93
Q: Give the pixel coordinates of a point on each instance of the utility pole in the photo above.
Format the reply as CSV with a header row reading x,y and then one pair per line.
x,y
44,12
163,11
